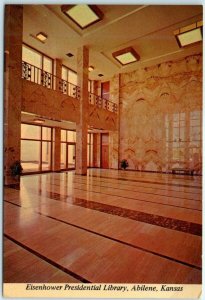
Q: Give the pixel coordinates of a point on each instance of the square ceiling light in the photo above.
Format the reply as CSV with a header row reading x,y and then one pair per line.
x,y
83,15
126,56
190,34
41,36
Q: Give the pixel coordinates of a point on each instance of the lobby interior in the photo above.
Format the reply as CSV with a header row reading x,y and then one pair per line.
x,y
86,87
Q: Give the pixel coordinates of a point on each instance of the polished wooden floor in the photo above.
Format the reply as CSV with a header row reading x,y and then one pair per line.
x,y
109,226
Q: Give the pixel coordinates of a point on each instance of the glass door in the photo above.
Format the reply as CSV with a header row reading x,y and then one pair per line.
x,y
70,156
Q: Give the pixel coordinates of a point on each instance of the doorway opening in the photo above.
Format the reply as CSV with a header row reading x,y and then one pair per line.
x,y
105,151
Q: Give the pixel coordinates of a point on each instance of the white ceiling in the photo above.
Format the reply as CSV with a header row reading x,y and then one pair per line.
x,y
148,29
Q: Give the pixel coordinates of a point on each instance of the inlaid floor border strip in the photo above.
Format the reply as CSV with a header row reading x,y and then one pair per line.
x,y
130,198
48,260
58,197
144,175
139,173
128,190
141,186
132,180
113,239
145,187
166,222
146,181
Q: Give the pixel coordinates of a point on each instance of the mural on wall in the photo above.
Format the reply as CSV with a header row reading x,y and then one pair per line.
x,y
102,118
49,103
161,116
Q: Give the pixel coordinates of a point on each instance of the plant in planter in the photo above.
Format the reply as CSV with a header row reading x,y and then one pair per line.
x,y
124,164
16,168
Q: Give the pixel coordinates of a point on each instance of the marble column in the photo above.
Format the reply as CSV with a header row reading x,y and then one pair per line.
x,y
82,124
13,89
114,148
57,149
58,72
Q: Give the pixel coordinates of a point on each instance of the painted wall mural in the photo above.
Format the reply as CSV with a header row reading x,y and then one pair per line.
x,y
48,103
161,116
102,118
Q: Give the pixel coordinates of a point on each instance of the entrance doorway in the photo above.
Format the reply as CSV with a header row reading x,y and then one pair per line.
x,y
68,153
105,151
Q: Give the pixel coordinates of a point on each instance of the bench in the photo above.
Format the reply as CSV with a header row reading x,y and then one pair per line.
x,y
185,171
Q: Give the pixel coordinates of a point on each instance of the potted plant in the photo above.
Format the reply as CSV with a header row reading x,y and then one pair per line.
x,y
16,169
124,164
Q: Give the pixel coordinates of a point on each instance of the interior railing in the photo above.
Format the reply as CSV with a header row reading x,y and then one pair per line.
x,y
102,103
50,81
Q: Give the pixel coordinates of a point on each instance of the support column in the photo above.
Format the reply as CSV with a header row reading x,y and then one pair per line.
x,y
57,149
82,124
114,149
58,72
13,89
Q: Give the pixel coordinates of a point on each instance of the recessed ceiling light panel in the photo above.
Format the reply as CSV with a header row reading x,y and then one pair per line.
x,y
190,34
41,36
82,14
190,37
126,56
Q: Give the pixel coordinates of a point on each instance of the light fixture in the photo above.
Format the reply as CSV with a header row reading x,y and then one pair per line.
x,y
126,56
90,68
39,121
100,75
82,14
41,36
190,34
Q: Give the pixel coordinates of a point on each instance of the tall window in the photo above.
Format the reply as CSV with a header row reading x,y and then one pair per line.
x,y
37,59
37,67
167,128
183,132
179,136
36,148
195,149
90,86
71,77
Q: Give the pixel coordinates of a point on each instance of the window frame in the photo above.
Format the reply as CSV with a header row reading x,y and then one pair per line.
x,y
41,140
42,57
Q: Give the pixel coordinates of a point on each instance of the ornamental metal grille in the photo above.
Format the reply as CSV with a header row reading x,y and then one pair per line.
x,y
78,92
46,79
26,71
63,86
